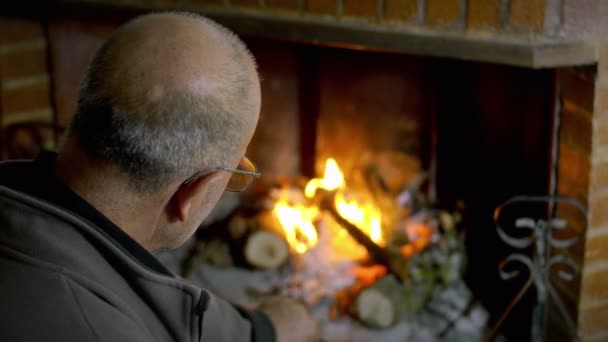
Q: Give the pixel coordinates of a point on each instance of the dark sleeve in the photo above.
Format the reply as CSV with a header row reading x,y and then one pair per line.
x,y
42,305
262,329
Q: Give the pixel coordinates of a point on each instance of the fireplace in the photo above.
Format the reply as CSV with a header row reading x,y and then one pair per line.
x,y
471,120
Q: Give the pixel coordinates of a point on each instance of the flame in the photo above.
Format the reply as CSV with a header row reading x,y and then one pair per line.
x,y
300,232
333,179
366,217
297,220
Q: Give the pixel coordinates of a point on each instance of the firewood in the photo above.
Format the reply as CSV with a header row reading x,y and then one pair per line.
x,y
392,260
378,253
265,250
215,252
345,298
257,242
381,305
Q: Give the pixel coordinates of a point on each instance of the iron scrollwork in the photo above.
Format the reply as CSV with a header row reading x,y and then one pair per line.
x,y
547,253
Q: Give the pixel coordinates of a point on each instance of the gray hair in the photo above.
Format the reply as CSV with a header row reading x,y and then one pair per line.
x,y
167,139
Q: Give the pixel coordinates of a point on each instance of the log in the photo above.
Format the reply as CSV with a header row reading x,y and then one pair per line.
x,y
265,250
381,305
345,298
256,244
392,260
378,254
215,252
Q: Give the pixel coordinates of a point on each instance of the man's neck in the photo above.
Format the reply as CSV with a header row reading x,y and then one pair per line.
x,y
105,189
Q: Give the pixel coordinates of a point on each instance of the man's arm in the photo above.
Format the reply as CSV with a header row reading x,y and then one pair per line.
x,y
291,320
43,305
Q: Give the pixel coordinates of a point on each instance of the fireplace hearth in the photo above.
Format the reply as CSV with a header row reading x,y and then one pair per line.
x,y
368,264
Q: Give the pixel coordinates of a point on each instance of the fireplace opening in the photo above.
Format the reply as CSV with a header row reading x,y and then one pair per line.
x,y
381,173
454,139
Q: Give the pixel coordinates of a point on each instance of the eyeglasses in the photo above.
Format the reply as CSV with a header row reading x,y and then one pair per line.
x,y
240,179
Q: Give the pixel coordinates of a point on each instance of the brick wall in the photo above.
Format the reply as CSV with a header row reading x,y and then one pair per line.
x,y
25,106
593,306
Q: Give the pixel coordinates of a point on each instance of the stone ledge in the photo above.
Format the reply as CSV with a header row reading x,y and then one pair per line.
x,y
502,48
532,53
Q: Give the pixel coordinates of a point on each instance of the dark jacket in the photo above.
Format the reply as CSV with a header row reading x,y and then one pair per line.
x,y
61,279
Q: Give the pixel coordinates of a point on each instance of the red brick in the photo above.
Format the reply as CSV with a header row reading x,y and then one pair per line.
x,y
594,284
576,127
600,132
599,176
574,166
601,99
444,12
361,8
198,4
571,189
596,248
322,6
577,88
283,4
576,224
19,30
161,4
402,10
603,58
245,3
42,115
574,172
23,64
25,99
594,306
527,15
26,142
598,211
484,14
580,17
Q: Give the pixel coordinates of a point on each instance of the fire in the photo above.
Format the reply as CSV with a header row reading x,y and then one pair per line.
x,y
333,179
297,220
366,217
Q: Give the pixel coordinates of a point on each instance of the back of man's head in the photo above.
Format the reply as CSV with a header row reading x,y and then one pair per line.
x,y
167,95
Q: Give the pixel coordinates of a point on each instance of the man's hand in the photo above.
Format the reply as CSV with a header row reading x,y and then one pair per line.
x,y
291,320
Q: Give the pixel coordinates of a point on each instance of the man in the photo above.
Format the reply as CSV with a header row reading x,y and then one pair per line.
x,y
165,113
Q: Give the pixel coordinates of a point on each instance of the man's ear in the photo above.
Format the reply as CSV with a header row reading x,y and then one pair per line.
x,y
187,197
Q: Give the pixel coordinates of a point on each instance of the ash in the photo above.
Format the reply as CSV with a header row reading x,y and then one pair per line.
x,y
314,277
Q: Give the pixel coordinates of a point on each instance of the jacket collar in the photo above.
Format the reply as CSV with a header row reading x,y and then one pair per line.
x,y
37,179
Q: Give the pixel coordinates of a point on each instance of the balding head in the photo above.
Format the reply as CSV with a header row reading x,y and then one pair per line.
x,y
167,95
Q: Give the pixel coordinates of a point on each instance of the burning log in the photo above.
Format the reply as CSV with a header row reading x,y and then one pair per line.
x,y
394,262
378,253
257,244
